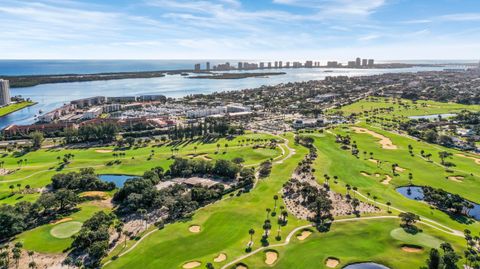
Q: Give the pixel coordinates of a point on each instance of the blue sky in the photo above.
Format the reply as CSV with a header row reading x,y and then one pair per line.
x,y
240,29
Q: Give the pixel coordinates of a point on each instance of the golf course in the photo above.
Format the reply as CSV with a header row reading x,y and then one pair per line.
x,y
231,232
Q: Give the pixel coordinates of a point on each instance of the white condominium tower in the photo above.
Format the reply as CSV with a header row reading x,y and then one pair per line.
x,y
4,92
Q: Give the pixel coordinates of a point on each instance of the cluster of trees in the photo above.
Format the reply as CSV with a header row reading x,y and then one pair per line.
x,y
85,180
445,201
446,260
265,169
189,167
93,238
104,132
24,215
472,253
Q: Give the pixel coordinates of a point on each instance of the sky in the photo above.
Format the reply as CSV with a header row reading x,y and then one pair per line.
x,y
240,29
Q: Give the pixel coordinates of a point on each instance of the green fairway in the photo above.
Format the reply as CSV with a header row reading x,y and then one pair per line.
x,y
421,238
41,165
14,107
66,229
350,242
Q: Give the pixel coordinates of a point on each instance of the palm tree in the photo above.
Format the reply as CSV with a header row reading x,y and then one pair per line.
x,y
284,215
195,149
268,212
18,186
354,191
125,233
410,177
11,188
388,206
375,199
251,232
32,265
275,198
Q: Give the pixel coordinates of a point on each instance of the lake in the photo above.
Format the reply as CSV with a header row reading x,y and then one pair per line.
x,y
432,117
365,265
119,180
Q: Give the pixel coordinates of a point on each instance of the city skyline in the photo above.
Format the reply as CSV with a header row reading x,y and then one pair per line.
x,y
225,29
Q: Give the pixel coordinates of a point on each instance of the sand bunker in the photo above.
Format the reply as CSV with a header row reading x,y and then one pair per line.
x,y
304,235
271,257
412,249
456,178
241,266
190,265
373,161
103,150
384,141
387,180
62,220
399,169
332,262
365,174
377,175
220,258
477,160
194,229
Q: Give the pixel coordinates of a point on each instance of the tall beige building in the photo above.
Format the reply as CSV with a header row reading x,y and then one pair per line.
x,y
4,92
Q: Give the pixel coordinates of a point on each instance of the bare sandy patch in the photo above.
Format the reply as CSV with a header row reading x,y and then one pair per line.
x,y
399,169
100,194
377,175
220,258
477,160
271,257
412,249
4,171
304,235
385,142
373,161
62,220
194,229
456,178
190,265
104,150
241,266
332,262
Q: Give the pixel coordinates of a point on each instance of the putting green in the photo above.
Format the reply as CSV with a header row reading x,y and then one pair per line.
x,y
66,229
416,239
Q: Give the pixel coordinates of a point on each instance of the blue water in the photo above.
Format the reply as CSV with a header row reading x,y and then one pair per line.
x,y
52,67
119,180
50,96
365,265
434,116
416,193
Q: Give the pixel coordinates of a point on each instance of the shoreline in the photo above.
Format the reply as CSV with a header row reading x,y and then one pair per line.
x,y
28,104
24,81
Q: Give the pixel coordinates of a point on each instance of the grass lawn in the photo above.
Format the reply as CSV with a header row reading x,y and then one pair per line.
x,y
224,227
360,241
55,238
14,107
41,165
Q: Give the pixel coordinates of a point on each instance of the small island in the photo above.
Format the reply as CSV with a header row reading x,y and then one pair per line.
x,y
238,75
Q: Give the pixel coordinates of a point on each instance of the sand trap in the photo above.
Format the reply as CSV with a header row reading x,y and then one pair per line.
x,y
332,262
62,220
477,160
365,174
271,257
384,141
373,161
194,229
456,178
412,249
100,194
241,266
193,264
304,235
387,180
377,175
220,258
399,169
103,150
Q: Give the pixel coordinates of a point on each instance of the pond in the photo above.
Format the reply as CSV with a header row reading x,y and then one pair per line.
x,y
119,180
416,193
365,265
432,117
